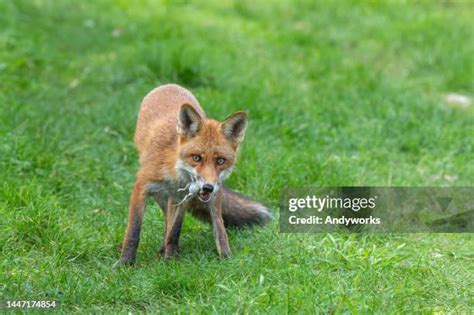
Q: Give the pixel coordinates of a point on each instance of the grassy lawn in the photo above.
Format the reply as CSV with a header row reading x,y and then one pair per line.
x,y
337,93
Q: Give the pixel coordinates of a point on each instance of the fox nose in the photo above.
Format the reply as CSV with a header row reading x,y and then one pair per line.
x,y
207,188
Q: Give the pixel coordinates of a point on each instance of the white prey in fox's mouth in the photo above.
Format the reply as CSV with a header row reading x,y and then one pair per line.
x,y
196,187
194,190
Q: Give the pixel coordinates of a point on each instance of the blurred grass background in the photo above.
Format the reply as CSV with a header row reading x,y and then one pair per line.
x,y
338,93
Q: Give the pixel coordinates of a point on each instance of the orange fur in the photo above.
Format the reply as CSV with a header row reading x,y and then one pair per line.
x,y
178,145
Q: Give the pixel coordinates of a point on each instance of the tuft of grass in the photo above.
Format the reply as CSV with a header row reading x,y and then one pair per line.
x,y
338,93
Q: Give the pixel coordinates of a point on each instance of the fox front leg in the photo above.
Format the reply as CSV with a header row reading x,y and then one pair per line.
x,y
218,228
135,218
174,223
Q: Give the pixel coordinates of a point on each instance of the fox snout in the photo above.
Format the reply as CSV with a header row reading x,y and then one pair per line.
x,y
207,191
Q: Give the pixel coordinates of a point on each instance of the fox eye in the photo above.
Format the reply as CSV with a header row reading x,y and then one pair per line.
x,y
220,161
196,158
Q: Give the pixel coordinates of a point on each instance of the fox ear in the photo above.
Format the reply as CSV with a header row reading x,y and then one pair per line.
x,y
234,126
189,121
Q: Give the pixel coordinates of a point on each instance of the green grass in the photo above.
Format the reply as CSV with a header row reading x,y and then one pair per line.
x,y
338,93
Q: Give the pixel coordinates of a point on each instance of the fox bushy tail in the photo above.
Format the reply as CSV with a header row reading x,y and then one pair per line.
x,y
237,210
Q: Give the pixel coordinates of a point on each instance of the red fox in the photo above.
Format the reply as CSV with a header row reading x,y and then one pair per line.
x,y
184,158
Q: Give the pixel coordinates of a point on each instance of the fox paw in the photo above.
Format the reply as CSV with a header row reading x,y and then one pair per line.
x,y
169,251
225,254
123,263
161,251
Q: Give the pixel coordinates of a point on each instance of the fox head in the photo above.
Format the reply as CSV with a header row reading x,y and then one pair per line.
x,y
207,149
